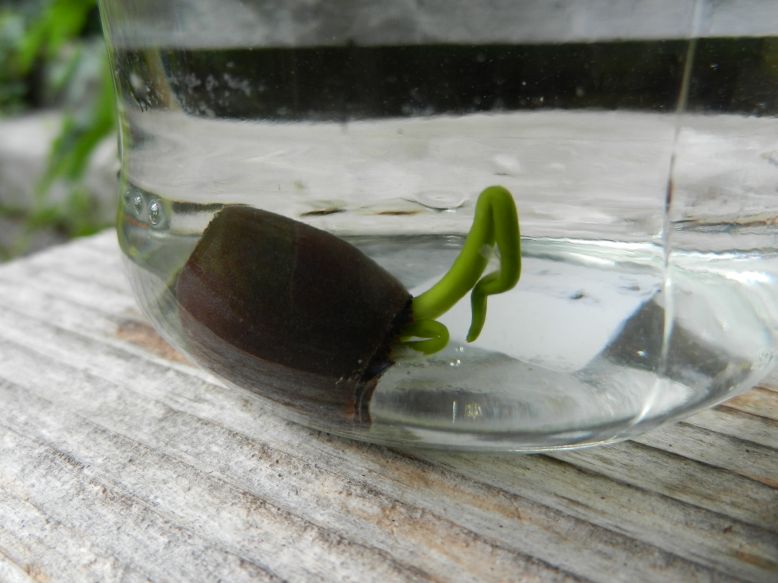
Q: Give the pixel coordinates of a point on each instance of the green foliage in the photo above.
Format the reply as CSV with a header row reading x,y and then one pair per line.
x,y
12,85
49,58
69,159
60,22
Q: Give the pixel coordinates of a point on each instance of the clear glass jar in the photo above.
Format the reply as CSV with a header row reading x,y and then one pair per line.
x,y
296,174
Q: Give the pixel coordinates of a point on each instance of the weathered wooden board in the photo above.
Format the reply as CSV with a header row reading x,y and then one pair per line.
x,y
120,462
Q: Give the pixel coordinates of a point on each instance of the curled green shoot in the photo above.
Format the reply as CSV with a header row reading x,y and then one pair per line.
x,y
496,223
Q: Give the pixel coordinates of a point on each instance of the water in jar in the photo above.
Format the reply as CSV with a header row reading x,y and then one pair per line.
x,y
645,172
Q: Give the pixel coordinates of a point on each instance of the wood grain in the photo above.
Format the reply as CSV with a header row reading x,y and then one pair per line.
x,y
121,462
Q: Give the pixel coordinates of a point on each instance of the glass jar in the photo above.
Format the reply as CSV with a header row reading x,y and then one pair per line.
x,y
296,175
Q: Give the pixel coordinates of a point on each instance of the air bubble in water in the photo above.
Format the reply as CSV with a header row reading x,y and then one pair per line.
x,y
155,212
137,203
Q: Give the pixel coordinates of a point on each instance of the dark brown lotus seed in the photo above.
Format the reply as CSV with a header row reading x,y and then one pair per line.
x,y
290,311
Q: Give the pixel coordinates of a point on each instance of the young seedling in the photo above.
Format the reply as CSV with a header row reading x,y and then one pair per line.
x,y
307,320
496,221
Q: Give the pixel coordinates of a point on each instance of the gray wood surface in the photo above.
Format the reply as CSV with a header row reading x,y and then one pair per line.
x,y
121,462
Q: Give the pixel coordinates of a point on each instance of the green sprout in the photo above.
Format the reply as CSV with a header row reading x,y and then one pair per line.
x,y
496,222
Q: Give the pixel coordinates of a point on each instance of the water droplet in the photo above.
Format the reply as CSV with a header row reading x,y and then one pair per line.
x,y
155,212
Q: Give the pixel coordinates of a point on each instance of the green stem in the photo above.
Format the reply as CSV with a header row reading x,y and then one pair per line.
x,y
434,333
495,222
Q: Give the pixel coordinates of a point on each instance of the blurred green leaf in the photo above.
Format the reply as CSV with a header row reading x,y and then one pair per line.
x,y
12,85
43,44
68,162
71,151
61,21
